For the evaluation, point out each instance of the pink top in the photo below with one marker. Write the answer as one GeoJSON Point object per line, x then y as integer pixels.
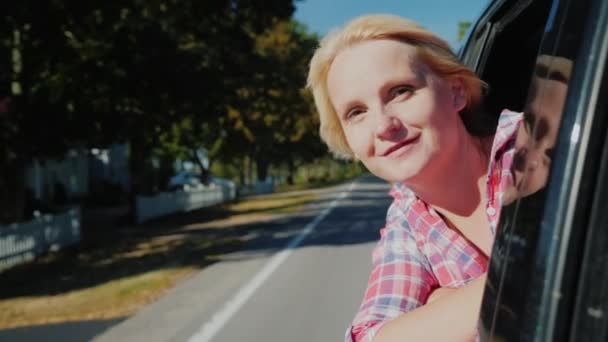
{"type": "Point", "coordinates": [418, 252]}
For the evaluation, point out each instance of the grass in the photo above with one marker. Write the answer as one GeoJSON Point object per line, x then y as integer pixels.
{"type": "Point", "coordinates": [116, 298]}
{"type": "Point", "coordinates": [119, 270]}
{"type": "Point", "coordinates": [271, 204]}
{"type": "Point", "coordinates": [310, 185]}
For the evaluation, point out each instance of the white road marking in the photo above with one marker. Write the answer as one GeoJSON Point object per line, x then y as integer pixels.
{"type": "Point", "coordinates": [220, 318]}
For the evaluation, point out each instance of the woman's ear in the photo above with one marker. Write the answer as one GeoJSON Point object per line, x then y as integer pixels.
{"type": "Point", "coordinates": [458, 92]}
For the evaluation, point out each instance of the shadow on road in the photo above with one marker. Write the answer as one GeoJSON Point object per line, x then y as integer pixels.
{"type": "Point", "coordinates": [79, 331]}
{"type": "Point", "coordinates": [114, 252]}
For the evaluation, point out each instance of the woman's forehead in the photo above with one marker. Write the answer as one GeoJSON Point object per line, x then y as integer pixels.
{"type": "Point", "coordinates": [384, 50]}
{"type": "Point", "coordinates": [374, 58]}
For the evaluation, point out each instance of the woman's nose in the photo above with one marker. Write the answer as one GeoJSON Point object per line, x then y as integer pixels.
{"type": "Point", "coordinates": [389, 127]}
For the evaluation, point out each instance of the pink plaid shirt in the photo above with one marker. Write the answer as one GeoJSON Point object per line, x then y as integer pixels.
{"type": "Point", "coordinates": [418, 252]}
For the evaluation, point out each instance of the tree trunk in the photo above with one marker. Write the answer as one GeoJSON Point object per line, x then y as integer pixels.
{"type": "Point", "coordinates": [12, 172]}
{"type": "Point", "coordinates": [250, 169]}
{"type": "Point", "coordinates": [242, 170]}
{"type": "Point", "coordinates": [165, 172]}
{"type": "Point", "coordinates": [262, 169]}
{"type": "Point", "coordinates": [205, 174]}
{"type": "Point", "coordinates": [12, 197]}
{"type": "Point", "coordinates": [137, 165]}
{"type": "Point", "coordinates": [290, 171]}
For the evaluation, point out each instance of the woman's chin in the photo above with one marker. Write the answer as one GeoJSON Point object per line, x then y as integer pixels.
{"type": "Point", "coordinates": [402, 170]}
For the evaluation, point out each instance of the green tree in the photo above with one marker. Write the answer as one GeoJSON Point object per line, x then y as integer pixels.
{"type": "Point", "coordinates": [463, 26]}
{"type": "Point", "coordinates": [274, 115]}
{"type": "Point", "coordinates": [158, 74]}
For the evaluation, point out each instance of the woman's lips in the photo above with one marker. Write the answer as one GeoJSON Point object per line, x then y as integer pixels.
{"type": "Point", "coordinates": [398, 148]}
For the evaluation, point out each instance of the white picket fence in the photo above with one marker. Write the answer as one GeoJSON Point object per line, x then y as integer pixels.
{"type": "Point", "coordinates": [21, 242]}
{"type": "Point", "coordinates": [165, 203]}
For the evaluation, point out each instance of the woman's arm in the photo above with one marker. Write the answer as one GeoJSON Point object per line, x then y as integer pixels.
{"type": "Point", "coordinates": [450, 317]}
{"type": "Point", "coordinates": [401, 280]}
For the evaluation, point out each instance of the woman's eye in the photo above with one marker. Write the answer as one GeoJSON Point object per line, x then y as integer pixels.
{"type": "Point", "coordinates": [401, 90]}
{"type": "Point", "coordinates": [353, 113]}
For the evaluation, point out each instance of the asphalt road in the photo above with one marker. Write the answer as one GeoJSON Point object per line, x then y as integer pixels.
{"type": "Point", "coordinates": [300, 279]}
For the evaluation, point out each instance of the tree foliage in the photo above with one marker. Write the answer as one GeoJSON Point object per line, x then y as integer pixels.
{"type": "Point", "coordinates": [463, 26]}
{"type": "Point", "coordinates": [166, 76]}
{"type": "Point", "coordinates": [274, 114]}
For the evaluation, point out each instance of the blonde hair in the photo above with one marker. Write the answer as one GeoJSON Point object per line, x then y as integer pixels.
{"type": "Point", "coordinates": [434, 52]}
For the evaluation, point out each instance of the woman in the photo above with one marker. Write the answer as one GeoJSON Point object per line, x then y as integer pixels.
{"type": "Point", "coordinates": [393, 96]}
{"type": "Point", "coordinates": [536, 137]}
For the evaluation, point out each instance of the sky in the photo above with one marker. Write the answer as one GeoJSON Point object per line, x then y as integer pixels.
{"type": "Point", "coordinates": [439, 16]}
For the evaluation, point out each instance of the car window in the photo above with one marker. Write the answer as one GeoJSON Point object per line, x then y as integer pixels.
{"type": "Point", "coordinates": [590, 322]}
{"type": "Point", "coordinates": [508, 89]}
{"type": "Point", "coordinates": [590, 319]}
{"type": "Point", "coordinates": [507, 63]}
{"type": "Point", "coordinates": [502, 50]}
{"type": "Point", "coordinates": [471, 54]}
{"type": "Point", "coordinates": [522, 301]}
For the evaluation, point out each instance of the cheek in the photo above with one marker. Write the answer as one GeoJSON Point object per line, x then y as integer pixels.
{"type": "Point", "coordinates": [357, 138]}
{"type": "Point", "coordinates": [439, 119]}
{"type": "Point", "coordinates": [537, 172]}
{"type": "Point", "coordinates": [441, 134]}
{"type": "Point", "coordinates": [537, 179]}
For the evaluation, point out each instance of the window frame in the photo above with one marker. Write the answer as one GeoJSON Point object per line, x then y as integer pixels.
{"type": "Point", "coordinates": [568, 200]}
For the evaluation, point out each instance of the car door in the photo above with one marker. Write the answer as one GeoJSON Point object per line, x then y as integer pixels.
{"type": "Point", "coordinates": [541, 279]}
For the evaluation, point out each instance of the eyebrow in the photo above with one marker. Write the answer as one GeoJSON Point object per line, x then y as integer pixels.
{"type": "Point", "coordinates": [414, 80]}
{"type": "Point", "coordinates": [551, 74]}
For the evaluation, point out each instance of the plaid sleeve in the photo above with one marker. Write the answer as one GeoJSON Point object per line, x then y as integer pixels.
{"type": "Point", "coordinates": [400, 280]}
{"type": "Point", "coordinates": [506, 133]}
{"type": "Point", "coordinates": [501, 176]}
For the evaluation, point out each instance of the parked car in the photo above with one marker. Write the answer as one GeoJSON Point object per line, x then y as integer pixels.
{"type": "Point", "coordinates": [185, 180]}
{"type": "Point", "coordinates": [222, 182]}
{"type": "Point", "coordinates": [548, 271]}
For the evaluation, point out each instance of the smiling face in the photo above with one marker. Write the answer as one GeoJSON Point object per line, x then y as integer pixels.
{"type": "Point", "coordinates": [535, 141]}
{"type": "Point", "coordinates": [399, 118]}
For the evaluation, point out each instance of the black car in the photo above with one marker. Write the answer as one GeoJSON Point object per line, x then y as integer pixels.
{"type": "Point", "coordinates": [548, 274]}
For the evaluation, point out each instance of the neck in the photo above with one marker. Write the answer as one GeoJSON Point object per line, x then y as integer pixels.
{"type": "Point", "coordinates": [457, 187]}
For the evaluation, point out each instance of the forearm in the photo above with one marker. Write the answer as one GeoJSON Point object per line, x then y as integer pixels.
{"type": "Point", "coordinates": [452, 317]}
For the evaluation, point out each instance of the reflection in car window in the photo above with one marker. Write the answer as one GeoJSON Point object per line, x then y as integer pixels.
{"type": "Point", "coordinates": [512, 301]}
{"type": "Point", "coordinates": [531, 165]}
{"type": "Point", "coordinates": [537, 136]}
